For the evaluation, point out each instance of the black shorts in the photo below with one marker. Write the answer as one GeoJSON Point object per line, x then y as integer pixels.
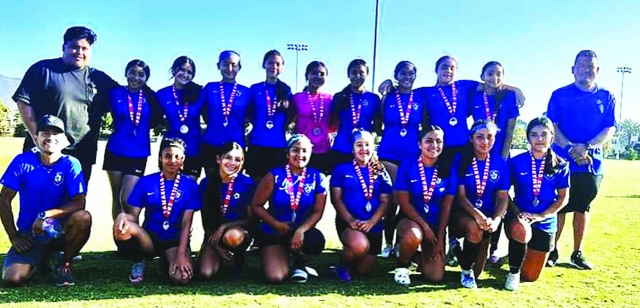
{"type": "Point", "coordinates": [313, 243]}
{"type": "Point", "coordinates": [126, 165]}
{"type": "Point", "coordinates": [322, 162]}
{"type": "Point", "coordinates": [541, 240]}
{"type": "Point", "coordinates": [260, 160]}
{"type": "Point", "coordinates": [584, 188]}
{"type": "Point", "coordinates": [374, 238]}
{"type": "Point", "coordinates": [192, 166]}
{"type": "Point", "coordinates": [160, 246]}
{"type": "Point", "coordinates": [209, 155]}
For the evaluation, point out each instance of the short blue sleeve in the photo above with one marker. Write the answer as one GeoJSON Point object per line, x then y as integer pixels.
{"type": "Point", "coordinates": [337, 178]}
{"type": "Point", "coordinates": [553, 110]}
{"type": "Point", "coordinates": [13, 176]}
{"type": "Point", "coordinates": [610, 112]}
{"type": "Point", "coordinates": [505, 178]}
{"type": "Point", "coordinates": [137, 196]}
{"type": "Point", "coordinates": [512, 107]}
{"type": "Point", "coordinates": [386, 186]}
{"type": "Point", "coordinates": [203, 185]}
{"type": "Point", "coordinates": [76, 184]}
{"type": "Point", "coordinates": [563, 180]}
{"type": "Point", "coordinates": [195, 199]}
{"type": "Point", "coordinates": [321, 184]}
{"type": "Point", "coordinates": [403, 178]}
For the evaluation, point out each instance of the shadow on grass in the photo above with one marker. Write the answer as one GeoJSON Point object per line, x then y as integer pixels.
{"type": "Point", "coordinates": [102, 275]}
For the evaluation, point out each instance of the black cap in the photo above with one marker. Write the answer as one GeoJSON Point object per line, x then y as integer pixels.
{"type": "Point", "coordinates": [49, 121]}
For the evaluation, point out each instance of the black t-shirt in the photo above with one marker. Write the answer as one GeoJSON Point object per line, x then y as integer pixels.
{"type": "Point", "coordinates": [77, 96]}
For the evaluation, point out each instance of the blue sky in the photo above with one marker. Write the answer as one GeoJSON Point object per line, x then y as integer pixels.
{"type": "Point", "coordinates": [535, 40]}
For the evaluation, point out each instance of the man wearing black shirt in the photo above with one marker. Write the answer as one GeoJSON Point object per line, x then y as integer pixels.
{"type": "Point", "coordinates": [71, 90]}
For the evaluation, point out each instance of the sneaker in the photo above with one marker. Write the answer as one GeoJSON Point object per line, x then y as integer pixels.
{"type": "Point", "coordinates": [494, 258]}
{"type": "Point", "coordinates": [401, 276]}
{"type": "Point", "coordinates": [513, 282]}
{"type": "Point", "coordinates": [342, 273]}
{"type": "Point", "coordinates": [468, 280]}
{"type": "Point", "coordinates": [579, 261]}
{"type": "Point", "coordinates": [386, 251]}
{"type": "Point", "coordinates": [553, 258]}
{"type": "Point", "coordinates": [299, 276]}
{"type": "Point", "coordinates": [137, 272]}
{"type": "Point", "coordinates": [452, 259]}
{"type": "Point", "coordinates": [62, 276]}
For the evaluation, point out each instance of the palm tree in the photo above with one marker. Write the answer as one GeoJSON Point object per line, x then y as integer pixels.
{"type": "Point", "coordinates": [628, 129]}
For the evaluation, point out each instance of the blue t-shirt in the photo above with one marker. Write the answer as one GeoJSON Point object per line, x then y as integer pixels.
{"type": "Point", "coordinates": [454, 135]}
{"type": "Point", "coordinates": [128, 140]}
{"type": "Point", "coordinates": [344, 176]}
{"type": "Point", "coordinates": [42, 187]}
{"type": "Point", "coordinates": [508, 110]}
{"type": "Point", "coordinates": [280, 202]}
{"type": "Point", "coordinates": [216, 133]}
{"type": "Point", "coordinates": [240, 197]}
{"type": "Point", "coordinates": [146, 194]}
{"type": "Point", "coordinates": [498, 179]}
{"type": "Point", "coordinates": [522, 180]}
{"type": "Point", "coordinates": [267, 131]}
{"type": "Point", "coordinates": [370, 103]}
{"type": "Point", "coordinates": [172, 113]}
{"type": "Point", "coordinates": [393, 145]}
{"type": "Point", "coordinates": [581, 116]}
{"type": "Point", "coordinates": [409, 180]}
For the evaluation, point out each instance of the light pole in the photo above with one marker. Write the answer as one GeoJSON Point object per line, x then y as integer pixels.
{"type": "Point", "coordinates": [298, 48]}
{"type": "Point", "coordinates": [623, 70]}
{"type": "Point", "coordinates": [375, 48]}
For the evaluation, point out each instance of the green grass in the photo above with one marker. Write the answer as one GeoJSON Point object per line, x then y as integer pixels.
{"type": "Point", "coordinates": [612, 244]}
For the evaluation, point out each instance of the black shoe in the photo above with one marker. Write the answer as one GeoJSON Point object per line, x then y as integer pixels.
{"type": "Point", "coordinates": [553, 258]}
{"type": "Point", "coordinates": [579, 261]}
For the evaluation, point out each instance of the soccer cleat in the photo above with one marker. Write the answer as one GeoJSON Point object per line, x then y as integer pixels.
{"type": "Point", "coordinates": [62, 276]}
{"type": "Point", "coordinates": [513, 282]}
{"type": "Point", "coordinates": [553, 258]}
{"type": "Point", "coordinates": [299, 276]}
{"type": "Point", "coordinates": [137, 272]}
{"type": "Point", "coordinates": [468, 280]}
{"type": "Point", "coordinates": [579, 261]}
{"type": "Point", "coordinates": [386, 251]}
{"type": "Point", "coordinates": [452, 256]}
{"type": "Point", "coordinates": [342, 273]}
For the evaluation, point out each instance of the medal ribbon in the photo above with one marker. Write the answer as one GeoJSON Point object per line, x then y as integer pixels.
{"type": "Point", "coordinates": [427, 192]}
{"type": "Point", "coordinates": [226, 107]}
{"type": "Point", "coordinates": [185, 108]}
{"type": "Point", "coordinates": [316, 116]}
{"type": "Point", "coordinates": [227, 195]}
{"type": "Point", "coordinates": [295, 198]}
{"type": "Point", "coordinates": [355, 114]}
{"type": "Point", "coordinates": [271, 106]}
{"type": "Point", "coordinates": [451, 107]}
{"type": "Point", "coordinates": [487, 110]}
{"type": "Point", "coordinates": [135, 118]}
{"type": "Point", "coordinates": [368, 191]}
{"type": "Point", "coordinates": [481, 185]}
{"type": "Point", "coordinates": [536, 176]}
{"type": "Point", "coordinates": [404, 116]}
{"type": "Point", "coordinates": [167, 207]}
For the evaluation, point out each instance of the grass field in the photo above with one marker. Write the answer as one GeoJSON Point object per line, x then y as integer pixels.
{"type": "Point", "coordinates": [613, 244]}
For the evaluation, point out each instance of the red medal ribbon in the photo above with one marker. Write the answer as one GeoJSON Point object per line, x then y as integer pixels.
{"type": "Point", "coordinates": [226, 106]}
{"type": "Point", "coordinates": [135, 117]}
{"type": "Point", "coordinates": [185, 107]}
{"type": "Point", "coordinates": [368, 191]}
{"type": "Point", "coordinates": [355, 114]}
{"type": "Point", "coordinates": [450, 106]}
{"type": "Point", "coordinates": [487, 110]}
{"type": "Point", "coordinates": [316, 116]}
{"type": "Point", "coordinates": [536, 176]}
{"type": "Point", "coordinates": [295, 198]}
{"type": "Point", "coordinates": [427, 192]}
{"type": "Point", "coordinates": [271, 106]}
{"type": "Point", "coordinates": [404, 116]}
{"type": "Point", "coordinates": [167, 207]}
{"type": "Point", "coordinates": [227, 196]}
{"type": "Point", "coordinates": [481, 185]}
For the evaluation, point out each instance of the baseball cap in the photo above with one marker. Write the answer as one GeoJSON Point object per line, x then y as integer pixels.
{"type": "Point", "coordinates": [48, 122]}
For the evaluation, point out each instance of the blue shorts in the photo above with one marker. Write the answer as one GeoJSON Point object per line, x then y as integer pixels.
{"type": "Point", "coordinates": [41, 246]}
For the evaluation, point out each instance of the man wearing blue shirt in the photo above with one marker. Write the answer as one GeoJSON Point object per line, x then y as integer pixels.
{"type": "Point", "coordinates": [52, 202]}
{"type": "Point", "coordinates": [583, 114]}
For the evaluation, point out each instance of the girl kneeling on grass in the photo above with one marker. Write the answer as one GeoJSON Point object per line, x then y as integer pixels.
{"type": "Point", "coordinates": [360, 192]}
{"type": "Point", "coordinates": [296, 195]}
{"type": "Point", "coordinates": [169, 199]}
{"type": "Point", "coordinates": [541, 181]}
{"type": "Point", "coordinates": [225, 214]}
{"type": "Point", "coordinates": [425, 191]}
{"type": "Point", "coordinates": [481, 200]}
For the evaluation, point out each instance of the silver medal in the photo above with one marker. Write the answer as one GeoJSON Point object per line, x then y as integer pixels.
{"type": "Point", "coordinates": [165, 225]}
{"type": "Point", "coordinates": [293, 217]}
{"type": "Point", "coordinates": [426, 208]}
{"type": "Point", "coordinates": [269, 124]}
{"type": "Point", "coordinates": [184, 129]}
{"type": "Point", "coordinates": [536, 201]}
{"type": "Point", "coordinates": [317, 131]}
{"type": "Point", "coordinates": [453, 121]}
{"type": "Point", "coordinates": [225, 123]}
{"type": "Point", "coordinates": [403, 132]}
{"type": "Point", "coordinates": [479, 203]}
{"type": "Point", "coordinates": [368, 207]}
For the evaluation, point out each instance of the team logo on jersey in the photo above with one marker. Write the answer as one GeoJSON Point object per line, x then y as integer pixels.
{"type": "Point", "coordinates": [58, 179]}
{"type": "Point", "coordinates": [236, 196]}
{"type": "Point", "coordinates": [549, 176]}
{"type": "Point", "coordinates": [600, 106]}
{"type": "Point", "coordinates": [415, 107]}
{"type": "Point", "coordinates": [308, 188]}
{"type": "Point", "coordinates": [178, 195]}
{"type": "Point", "coordinates": [438, 182]}
{"type": "Point", "coordinates": [494, 175]}
{"type": "Point", "coordinates": [365, 103]}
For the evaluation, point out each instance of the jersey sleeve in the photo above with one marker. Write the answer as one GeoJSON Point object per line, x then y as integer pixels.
{"type": "Point", "coordinates": [337, 178]}
{"type": "Point", "coordinates": [137, 196]}
{"type": "Point", "coordinates": [322, 184]}
{"type": "Point", "coordinates": [32, 84]}
{"type": "Point", "coordinates": [195, 197]}
{"type": "Point", "coordinates": [75, 179]}
{"type": "Point", "coordinates": [403, 179]}
{"type": "Point", "coordinates": [553, 110]}
{"type": "Point", "coordinates": [386, 186]}
{"type": "Point", "coordinates": [610, 112]}
{"type": "Point", "coordinates": [504, 183]}
{"type": "Point", "coordinates": [512, 106]}
{"type": "Point", "coordinates": [12, 177]}
{"type": "Point", "coordinates": [563, 177]}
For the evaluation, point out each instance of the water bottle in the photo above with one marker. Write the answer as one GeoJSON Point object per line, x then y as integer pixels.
{"type": "Point", "coordinates": [52, 227]}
